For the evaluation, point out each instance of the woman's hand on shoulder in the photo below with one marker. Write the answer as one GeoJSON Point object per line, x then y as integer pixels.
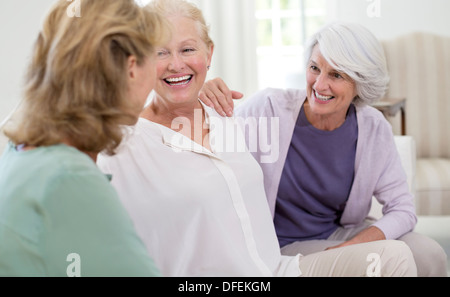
{"type": "Point", "coordinates": [216, 94]}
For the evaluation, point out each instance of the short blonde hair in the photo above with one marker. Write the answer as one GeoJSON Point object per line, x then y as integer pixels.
{"type": "Point", "coordinates": [183, 8]}
{"type": "Point", "coordinates": [354, 50]}
{"type": "Point", "coordinates": [77, 82]}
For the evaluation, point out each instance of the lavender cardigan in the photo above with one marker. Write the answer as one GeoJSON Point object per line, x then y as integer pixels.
{"type": "Point", "coordinates": [378, 169]}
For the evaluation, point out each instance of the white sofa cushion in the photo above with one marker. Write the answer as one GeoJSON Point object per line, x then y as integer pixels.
{"type": "Point", "coordinates": [433, 186]}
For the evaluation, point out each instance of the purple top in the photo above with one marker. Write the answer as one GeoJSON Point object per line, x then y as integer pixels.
{"type": "Point", "coordinates": [316, 180]}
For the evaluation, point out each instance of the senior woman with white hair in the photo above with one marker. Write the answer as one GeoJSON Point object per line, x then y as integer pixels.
{"type": "Point", "coordinates": [335, 151]}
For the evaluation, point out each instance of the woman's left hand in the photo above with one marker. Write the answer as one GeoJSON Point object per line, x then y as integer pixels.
{"type": "Point", "coordinates": [367, 235]}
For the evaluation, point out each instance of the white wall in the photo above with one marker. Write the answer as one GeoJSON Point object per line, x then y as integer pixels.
{"type": "Point", "coordinates": [232, 28]}
{"type": "Point", "coordinates": [388, 19]}
{"type": "Point", "coordinates": [20, 21]}
{"type": "Point", "coordinates": [19, 25]}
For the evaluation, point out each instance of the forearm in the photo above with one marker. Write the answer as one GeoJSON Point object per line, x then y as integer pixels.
{"type": "Point", "coordinates": [367, 235]}
{"type": "Point", "coordinates": [370, 234]}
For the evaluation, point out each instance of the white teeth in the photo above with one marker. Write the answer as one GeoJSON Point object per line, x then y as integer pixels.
{"type": "Point", "coordinates": [322, 98]}
{"type": "Point", "coordinates": [177, 79]}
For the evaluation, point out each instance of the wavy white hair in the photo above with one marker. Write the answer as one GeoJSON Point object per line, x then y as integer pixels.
{"type": "Point", "coordinates": [355, 51]}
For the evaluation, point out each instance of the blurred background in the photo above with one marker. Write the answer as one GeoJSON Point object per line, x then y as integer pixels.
{"type": "Point", "coordinates": [259, 43]}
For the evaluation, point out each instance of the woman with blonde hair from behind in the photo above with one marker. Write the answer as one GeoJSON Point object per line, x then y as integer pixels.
{"type": "Point", "coordinates": [89, 76]}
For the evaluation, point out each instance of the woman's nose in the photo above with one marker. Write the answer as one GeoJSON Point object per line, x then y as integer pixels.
{"type": "Point", "coordinates": [176, 63]}
{"type": "Point", "coordinates": [321, 83]}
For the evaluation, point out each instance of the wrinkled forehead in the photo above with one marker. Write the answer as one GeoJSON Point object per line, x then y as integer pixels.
{"type": "Point", "coordinates": [189, 25]}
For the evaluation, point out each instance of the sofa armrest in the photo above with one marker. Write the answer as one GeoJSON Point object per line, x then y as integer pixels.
{"type": "Point", "coordinates": [406, 147]}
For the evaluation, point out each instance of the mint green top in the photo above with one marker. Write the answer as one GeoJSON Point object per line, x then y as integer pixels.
{"type": "Point", "coordinates": [59, 216]}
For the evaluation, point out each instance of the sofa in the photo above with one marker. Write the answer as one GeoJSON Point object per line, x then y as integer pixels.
{"type": "Point", "coordinates": [419, 67]}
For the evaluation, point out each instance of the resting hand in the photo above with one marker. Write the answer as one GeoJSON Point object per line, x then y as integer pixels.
{"type": "Point", "coordinates": [216, 94]}
{"type": "Point", "coordinates": [346, 243]}
{"type": "Point", "coordinates": [370, 234]}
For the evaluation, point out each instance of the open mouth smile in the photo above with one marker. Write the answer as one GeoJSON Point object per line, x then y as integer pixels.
{"type": "Point", "coordinates": [178, 81]}
{"type": "Point", "coordinates": [322, 98]}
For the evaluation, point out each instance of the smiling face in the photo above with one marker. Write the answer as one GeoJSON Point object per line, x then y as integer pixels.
{"type": "Point", "coordinates": [330, 92]}
{"type": "Point", "coordinates": [182, 64]}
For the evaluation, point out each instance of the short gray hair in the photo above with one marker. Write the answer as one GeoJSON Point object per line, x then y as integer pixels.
{"type": "Point", "coordinates": [355, 51]}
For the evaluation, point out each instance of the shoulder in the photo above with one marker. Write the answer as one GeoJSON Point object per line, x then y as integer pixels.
{"type": "Point", "coordinates": [75, 176]}
{"type": "Point", "coordinates": [368, 111]}
{"type": "Point", "coordinates": [141, 144]}
{"type": "Point", "coordinates": [144, 132]}
{"type": "Point", "coordinates": [45, 165]}
{"type": "Point", "coordinates": [372, 120]}
{"type": "Point", "coordinates": [282, 95]}
{"type": "Point", "coordinates": [143, 135]}
{"type": "Point", "coordinates": [69, 163]}
{"type": "Point", "coordinates": [57, 173]}
{"type": "Point", "coordinates": [46, 182]}
{"type": "Point", "coordinates": [375, 131]}
{"type": "Point", "coordinates": [271, 101]}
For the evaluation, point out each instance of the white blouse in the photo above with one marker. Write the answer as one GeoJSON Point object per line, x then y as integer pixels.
{"type": "Point", "coordinates": [199, 212]}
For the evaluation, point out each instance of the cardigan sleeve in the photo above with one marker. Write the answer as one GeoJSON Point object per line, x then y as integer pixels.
{"type": "Point", "coordinates": [379, 173]}
{"type": "Point", "coordinates": [392, 191]}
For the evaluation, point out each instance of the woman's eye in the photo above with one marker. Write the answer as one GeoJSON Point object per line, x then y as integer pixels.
{"type": "Point", "coordinates": [162, 53]}
{"type": "Point", "coordinates": [188, 50]}
{"type": "Point", "coordinates": [314, 68]}
{"type": "Point", "coordinates": [337, 75]}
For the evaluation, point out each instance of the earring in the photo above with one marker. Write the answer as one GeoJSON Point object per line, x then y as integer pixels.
{"type": "Point", "coordinates": [209, 67]}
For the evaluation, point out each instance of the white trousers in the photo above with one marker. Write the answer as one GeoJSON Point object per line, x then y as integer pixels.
{"type": "Point", "coordinates": [384, 258]}
{"type": "Point", "coordinates": [429, 257]}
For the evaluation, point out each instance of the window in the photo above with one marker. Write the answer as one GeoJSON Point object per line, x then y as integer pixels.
{"type": "Point", "coordinates": [283, 27]}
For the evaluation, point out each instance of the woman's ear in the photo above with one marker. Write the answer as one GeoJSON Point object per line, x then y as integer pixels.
{"type": "Point", "coordinates": [132, 65]}
{"type": "Point", "coordinates": [211, 51]}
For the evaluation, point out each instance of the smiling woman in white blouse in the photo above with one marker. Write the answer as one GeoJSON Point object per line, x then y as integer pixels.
{"type": "Point", "coordinates": [195, 194]}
